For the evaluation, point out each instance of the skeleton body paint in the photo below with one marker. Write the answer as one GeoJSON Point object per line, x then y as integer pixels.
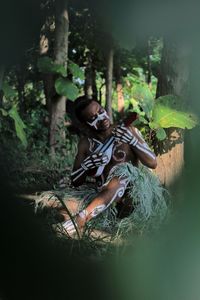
{"type": "Point", "coordinates": [118, 154]}
{"type": "Point", "coordinates": [91, 162]}
{"type": "Point", "coordinates": [124, 135]}
{"type": "Point", "coordinates": [97, 210]}
{"type": "Point", "coordinates": [119, 193]}
{"type": "Point", "coordinates": [69, 227]}
{"type": "Point", "coordinates": [109, 149]}
{"type": "Point", "coordinates": [100, 157]}
{"type": "Point", "coordinates": [103, 158]}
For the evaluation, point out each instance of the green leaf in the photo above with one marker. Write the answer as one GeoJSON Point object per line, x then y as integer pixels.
{"type": "Point", "coordinates": [4, 112]}
{"type": "Point", "coordinates": [153, 125]}
{"type": "Point", "coordinates": [160, 134]}
{"type": "Point", "coordinates": [171, 101]}
{"type": "Point", "coordinates": [59, 69]}
{"type": "Point", "coordinates": [46, 65]}
{"type": "Point", "coordinates": [144, 98]}
{"type": "Point", "coordinates": [143, 120]}
{"type": "Point", "coordinates": [8, 91]}
{"type": "Point", "coordinates": [76, 71]}
{"type": "Point", "coordinates": [66, 88]}
{"type": "Point", "coordinates": [19, 125]}
{"type": "Point", "coordinates": [166, 114]}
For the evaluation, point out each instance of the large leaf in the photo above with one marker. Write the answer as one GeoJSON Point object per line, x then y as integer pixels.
{"type": "Point", "coordinates": [142, 94]}
{"type": "Point", "coordinates": [64, 87]}
{"type": "Point", "coordinates": [76, 71]}
{"type": "Point", "coordinates": [46, 65]}
{"type": "Point", "coordinates": [19, 125]}
{"type": "Point", "coordinates": [166, 114]}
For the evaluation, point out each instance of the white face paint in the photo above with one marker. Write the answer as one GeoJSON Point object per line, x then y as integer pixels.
{"type": "Point", "coordinates": [100, 117]}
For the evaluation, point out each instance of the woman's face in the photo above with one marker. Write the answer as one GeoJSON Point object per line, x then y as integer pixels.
{"type": "Point", "coordinates": [96, 116]}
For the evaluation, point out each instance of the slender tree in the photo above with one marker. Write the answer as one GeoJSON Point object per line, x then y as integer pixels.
{"type": "Point", "coordinates": [1, 82]}
{"type": "Point", "coordinates": [119, 86]}
{"type": "Point", "coordinates": [47, 78]}
{"type": "Point", "coordinates": [149, 71]}
{"type": "Point", "coordinates": [20, 74]}
{"type": "Point", "coordinates": [90, 87]}
{"type": "Point", "coordinates": [88, 78]}
{"type": "Point", "coordinates": [58, 103]}
{"type": "Point", "coordinates": [109, 80]}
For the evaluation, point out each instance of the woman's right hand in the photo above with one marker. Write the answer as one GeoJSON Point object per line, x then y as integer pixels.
{"type": "Point", "coordinates": [94, 160]}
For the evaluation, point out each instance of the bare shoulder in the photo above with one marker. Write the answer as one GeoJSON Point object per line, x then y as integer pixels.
{"type": "Point", "coordinates": [137, 133]}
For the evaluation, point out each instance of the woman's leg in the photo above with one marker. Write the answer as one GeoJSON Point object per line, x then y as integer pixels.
{"type": "Point", "coordinates": [112, 191]}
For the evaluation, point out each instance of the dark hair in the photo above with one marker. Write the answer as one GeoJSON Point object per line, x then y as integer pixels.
{"type": "Point", "coordinates": [80, 104]}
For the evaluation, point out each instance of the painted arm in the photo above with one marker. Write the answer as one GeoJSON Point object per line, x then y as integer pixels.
{"type": "Point", "coordinates": [84, 163]}
{"type": "Point", "coordinates": [133, 137]}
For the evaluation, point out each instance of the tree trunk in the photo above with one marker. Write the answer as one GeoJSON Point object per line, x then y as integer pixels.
{"type": "Point", "coordinates": [173, 79]}
{"type": "Point", "coordinates": [100, 93]}
{"type": "Point", "coordinates": [120, 98]}
{"type": "Point", "coordinates": [109, 79]}
{"type": "Point", "coordinates": [88, 79]}
{"type": "Point", "coordinates": [149, 71]}
{"type": "Point", "coordinates": [58, 104]}
{"type": "Point", "coordinates": [90, 87]}
{"type": "Point", "coordinates": [120, 95]}
{"type": "Point", "coordinates": [94, 84]}
{"type": "Point", "coordinates": [1, 83]}
{"type": "Point", "coordinates": [20, 88]}
{"type": "Point", "coordinates": [47, 78]}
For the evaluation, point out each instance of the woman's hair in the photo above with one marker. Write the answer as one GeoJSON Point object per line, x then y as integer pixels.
{"type": "Point", "coordinates": [80, 104]}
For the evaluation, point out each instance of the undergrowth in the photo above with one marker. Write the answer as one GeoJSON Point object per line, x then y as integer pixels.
{"type": "Point", "coordinates": [34, 168]}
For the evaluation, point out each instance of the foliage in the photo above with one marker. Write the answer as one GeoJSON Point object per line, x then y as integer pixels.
{"type": "Point", "coordinates": [65, 87]}
{"type": "Point", "coordinates": [19, 125]}
{"type": "Point", "coordinates": [33, 168]}
{"type": "Point", "coordinates": [12, 112]}
{"type": "Point", "coordinates": [158, 114]}
{"type": "Point", "coordinates": [76, 71]}
{"type": "Point", "coordinates": [46, 65]}
{"type": "Point", "coordinates": [8, 91]}
{"type": "Point", "coordinates": [37, 129]}
{"type": "Point", "coordinates": [166, 113]}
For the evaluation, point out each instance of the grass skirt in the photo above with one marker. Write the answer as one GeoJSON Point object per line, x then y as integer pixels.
{"type": "Point", "coordinates": [149, 199]}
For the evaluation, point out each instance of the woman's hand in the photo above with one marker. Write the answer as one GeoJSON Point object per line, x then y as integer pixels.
{"type": "Point", "coordinates": [124, 135]}
{"type": "Point", "coordinates": [93, 161]}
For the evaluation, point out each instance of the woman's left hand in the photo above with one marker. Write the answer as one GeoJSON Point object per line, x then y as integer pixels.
{"type": "Point", "coordinates": [124, 135]}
